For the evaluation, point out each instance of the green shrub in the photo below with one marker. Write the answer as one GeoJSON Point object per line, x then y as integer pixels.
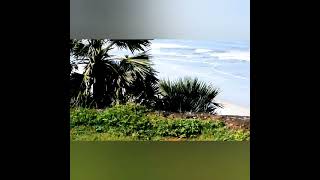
{"type": "Point", "coordinates": [186, 128]}
{"type": "Point", "coordinates": [187, 95]}
{"type": "Point", "coordinates": [83, 116]}
{"type": "Point", "coordinates": [129, 120]}
{"type": "Point", "coordinates": [208, 125]}
{"type": "Point", "coordinates": [136, 123]}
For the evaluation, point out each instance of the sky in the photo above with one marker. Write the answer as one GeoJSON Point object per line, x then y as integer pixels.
{"type": "Point", "coordinates": [212, 19]}
{"type": "Point", "coordinates": [227, 20]}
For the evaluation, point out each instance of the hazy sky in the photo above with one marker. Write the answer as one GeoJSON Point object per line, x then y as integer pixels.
{"type": "Point", "coordinates": [212, 19]}
{"type": "Point", "coordinates": [161, 19]}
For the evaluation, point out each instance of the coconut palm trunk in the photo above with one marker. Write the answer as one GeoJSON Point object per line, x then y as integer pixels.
{"type": "Point", "coordinates": [99, 85]}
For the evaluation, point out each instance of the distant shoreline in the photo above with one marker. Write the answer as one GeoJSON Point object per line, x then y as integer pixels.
{"type": "Point", "coordinates": [232, 109]}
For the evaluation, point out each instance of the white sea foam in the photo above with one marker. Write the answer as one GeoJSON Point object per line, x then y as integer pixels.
{"type": "Point", "coordinates": [232, 55]}
{"type": "Point", "coordinates": [202, 50]}
{"type": "Point", "coordinates": [157, 45]}
{"type": "Point", "coordinates": [156, 48]}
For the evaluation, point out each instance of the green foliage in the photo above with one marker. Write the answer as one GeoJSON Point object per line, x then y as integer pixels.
{"type": "Point", "coordinates": [83, 116]}
{"type": "Point", "coordinates": [129, 120]}
{"type": "Point", "coordinates": [187, 95]}
{"type": "Point", "coordinates": [183, 128]}
{"type": "Point", "coordinates": [109, 80]}
{"type": "Point", "coordinates": [136, 123]}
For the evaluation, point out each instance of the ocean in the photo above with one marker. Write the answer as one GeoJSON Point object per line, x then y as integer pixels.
{"type": "Point", "coordinates": [226, 65]}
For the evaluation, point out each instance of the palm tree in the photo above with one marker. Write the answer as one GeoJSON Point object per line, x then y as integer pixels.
{"type": "Point", "coordinates": [108, 79]}
{"type": "Point", "coordinates": [187, 95]}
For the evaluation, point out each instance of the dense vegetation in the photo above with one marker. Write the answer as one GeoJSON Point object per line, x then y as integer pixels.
{"type": "Point", "coordinates": [109, 80]}
{"type": "Point", "coordinates": [136, 122]}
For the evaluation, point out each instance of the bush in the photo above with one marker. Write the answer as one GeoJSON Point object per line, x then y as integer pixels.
{"type": "Point", "coordinates": [187, 95]}
{"type": "Point", "coordinates": [83, 116]}
{"type": "Point", "coordinates": [132, 121]}
{"type": "Point", "coordinates": [129, 120]}
{"type": "Point", "coordinates": [183, 128]}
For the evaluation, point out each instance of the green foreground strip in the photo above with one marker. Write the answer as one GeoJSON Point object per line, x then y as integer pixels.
{"type": "Point", "coordinates": [133, 122]}
{"type": "Point", "coordinates": [160, 160]}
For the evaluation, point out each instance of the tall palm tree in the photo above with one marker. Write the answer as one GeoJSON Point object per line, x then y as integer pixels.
{"type": "Point", "coordinates": [108, 79]}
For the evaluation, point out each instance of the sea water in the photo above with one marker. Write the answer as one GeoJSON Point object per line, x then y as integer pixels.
{"type": "Point", "coordinates": [226, 65]}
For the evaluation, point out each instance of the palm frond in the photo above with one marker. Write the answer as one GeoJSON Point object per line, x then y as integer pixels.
{"type": "Point", "coordinates": [132, 45]}
{"type": "Point", "coordinates": [188, 94]}
{"type": "Point", "coordinates": [106, 79]}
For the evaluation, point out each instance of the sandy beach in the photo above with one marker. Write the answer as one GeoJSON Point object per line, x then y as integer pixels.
{"type": "Point", "coordinates": [233, 109]}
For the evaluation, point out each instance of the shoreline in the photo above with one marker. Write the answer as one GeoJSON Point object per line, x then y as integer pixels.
{"type": "Point", "coordinates": [232, 109]}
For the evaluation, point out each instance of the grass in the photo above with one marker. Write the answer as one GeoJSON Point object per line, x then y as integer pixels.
{"type": "Point", "coordinates": [132, 122]}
